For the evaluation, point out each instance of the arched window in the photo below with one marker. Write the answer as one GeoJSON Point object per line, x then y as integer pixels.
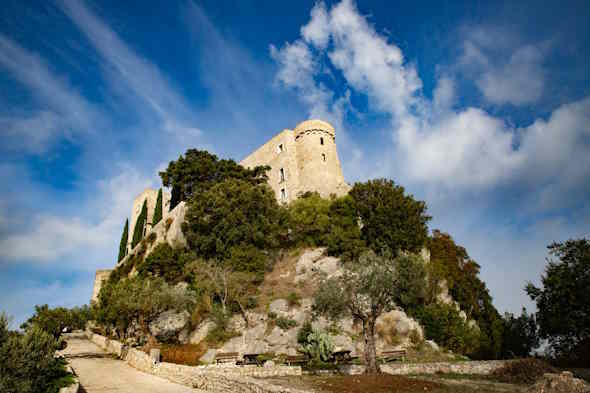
{"type": "Point", "coordinates": [282, 174]}
{"type": "Point", "coordinates": [324, 157]}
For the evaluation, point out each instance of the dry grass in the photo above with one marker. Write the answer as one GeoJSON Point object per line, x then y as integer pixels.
{"type": "Point", "coordinates": [280, 282]}
{"type": "Point", "coordinates": [188, 354]}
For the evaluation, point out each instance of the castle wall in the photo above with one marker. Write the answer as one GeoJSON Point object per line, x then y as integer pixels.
{"type": "Point", "coordinates": [99, 278]}
{"type": "Point", "coordinates": [279, 153]}
{"type": "Point", "coordinates": [308, 157]}
{"type": "Point", "coordinates": [317, 159]}
{"type": "Point", "coordinates": [151, 196]}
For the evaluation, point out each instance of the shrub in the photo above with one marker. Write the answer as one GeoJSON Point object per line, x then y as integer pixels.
{"type": "Point", "coordinates": [304, 332]}
{"type": "Point", "coordinates": [293, 299]}
{"type": "Point", "coordinates": [443, 324]}
{"type": "Point", "coordinates": [318, 346]}
{"type": "Point", "coordinates": [141, 300]}
{"type": "Point", "coordinates": [166, 262]}
{"type": "Point", "coordinates": [285, 323]}
{"type": "Point", "coordinates": [53, 321]}
{"type": "Point", "coordinates": [523, 371]}
{"type": "Point", "coordinates": [221, 332]}
{"type": "Point", "coordinates": [27, 361]}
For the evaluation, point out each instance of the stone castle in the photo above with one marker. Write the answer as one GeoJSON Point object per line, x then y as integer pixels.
{"type": "Point", "coordinates": [301, 160]}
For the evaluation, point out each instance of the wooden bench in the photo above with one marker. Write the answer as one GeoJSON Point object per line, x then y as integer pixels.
{"type": "Point", "coordinates": [295, 359]}
{"type": "Point", "coordinates": [251, 358]}
{"type": "Point", "coordinates": [388, 356]}
{"type": "Point", "coordinates": [341, 356]}
{"type": "Point", "coordinates": [226, 357]}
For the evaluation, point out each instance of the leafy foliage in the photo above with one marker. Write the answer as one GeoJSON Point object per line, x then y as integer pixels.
{"type": "Point", "coordinates": [198, 170]}
{"type": "Point", "coordinates": [166, 262]}
{"type": "Point", "coordinates": [140, 300]}
{"type": "Point", "coordinates": [318, 346]}
{"type": "Point", "coordinates": [139, 225]}
{"type": "Point", "coordinates": [53, 321]}
{"type": "Point", "coordinates": [158, 209]}
{"type": "Point", "coordinates": [27, 361]}
{"type": "Point", "coordinates": [309, 220]}
{"type": "Point", "coordinates": [520, 335]}
{"type": "Point", "coordinates": [391, 220]}
{"type": "Point", "coordinates": [451, 263]}
{"type": "Point", "coordinates": [123, 243]}
{"type": "Point", "coordinates": [369, 287]}
{"type": "Point", "coordinates": [562, 300]}
{"type": "Point", "coordinates": [235, 221]}
{"type": "Point", "coordinates": [344, 239]}
{"type": "Point", "coordinates": [443, 324]}
{"type": "Point", "coordinates": [285, 323]}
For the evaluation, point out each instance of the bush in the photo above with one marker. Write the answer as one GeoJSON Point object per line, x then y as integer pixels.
{"type": "Point", "coordinates": [166, 262]}
{"type": "Point", "coordinates": [285, 323]}
{"type": "Point", "coordinates": [53, 321]}
{"type": "Point", "coordinates": [304, 332]}
{"type": "Point", "coordinates": [221, 332]}
{"type": "Point", "coordinates": [27, 361]}
{"type": "Point", "coordinates": [443, 324]}
{"type": "Point", "coordinates": [318, 346]}
{"type": "Point", "coordinates": [293, 299]}
{"type": "Point", "coordinates": [523, 371]}
{"type": "Point", "coordinates": [139, 300]}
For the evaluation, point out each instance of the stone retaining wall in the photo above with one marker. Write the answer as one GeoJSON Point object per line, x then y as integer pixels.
{"type": "Point", "coordinates": [482, 367]}
{"type": "Point", "coordinates": [213, 378]}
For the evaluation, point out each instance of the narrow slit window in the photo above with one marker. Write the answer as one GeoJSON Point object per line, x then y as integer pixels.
{"type": "Point", "coordinates": [283, 195]}
{"type": "Point", "coordinates": [280, 148]}
{"type": "Point", "coordinates": [282, 174]}
{"type": "Point", "coordinates": [324, 157]}
{"type": "Point", "coordinates": [321, 140]}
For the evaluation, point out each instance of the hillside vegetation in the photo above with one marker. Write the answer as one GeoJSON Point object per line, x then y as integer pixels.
{"type": "Point", "coordinates": [236, 232]}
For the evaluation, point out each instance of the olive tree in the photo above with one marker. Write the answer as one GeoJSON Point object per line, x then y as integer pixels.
{"type": "Point", "coordinates": [370, 286]}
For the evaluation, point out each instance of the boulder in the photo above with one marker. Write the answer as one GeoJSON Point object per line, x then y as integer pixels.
{"type": "Point", "coordinates": [209, 356]}
{"type": "Point", "coordinates": [559, 383]}
{"type": "Point", "coordinates": [342, 343]}
{"type": "Point", "coordinates": [168, 324]}
{"type": "Point", "coordinates": [278, 306]}
{"type": "Point", "coordinates": [201, 331]}
{"type": "Point", "coordinates": [280, 338]}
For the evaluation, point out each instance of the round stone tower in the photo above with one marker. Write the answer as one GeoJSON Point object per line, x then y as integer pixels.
{"type": "Point", "coordinates": [317, 159]}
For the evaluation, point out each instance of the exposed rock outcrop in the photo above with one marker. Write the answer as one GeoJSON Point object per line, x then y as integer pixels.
{"type": "Point", "coordinates": [169, 324]}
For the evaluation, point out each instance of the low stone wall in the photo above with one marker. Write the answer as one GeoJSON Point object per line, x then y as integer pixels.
{"type": "Point", "coordinates": [213, 378]}
{"type": "Point", "coordinates": [482, 367]}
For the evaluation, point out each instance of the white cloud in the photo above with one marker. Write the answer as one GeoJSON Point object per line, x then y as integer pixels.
{"type": "Point", "coordinates": [51, 237]}
{"type": "Point", "coordinates": [65, 111]}
{"type": "Point", "coordinates": [505, 71]}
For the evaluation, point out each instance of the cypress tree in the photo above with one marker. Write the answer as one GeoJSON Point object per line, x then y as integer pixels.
{"type": "Point", "coordinates": [138, 230]}
{"type": "Point", "coordinates": [124, 239]}
{"type": "Point", "coordinates": [158, 210]}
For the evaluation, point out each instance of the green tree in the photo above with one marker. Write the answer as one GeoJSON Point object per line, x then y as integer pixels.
{"type": "Point", "coordinates": [369, 287]}
{"type": "Point", "coordinates": [562, 300]}
{"type": "Point", "coordinates": [158, 209]}
{"type": "Point", "coordinates": [166, 262]}
{"type": "Point", "coordinates": [27, 360]}
{"type": "Point", "coordinates": [309, 220]}
{"type": "Point", "coordinates": [139, 300]}
{"type": "Point", "coordinates": [54, 320]}
{"type": "Point", "coordinates": [450, 263]}
{"type": "Point", "coordinates": [139, 225]}
{"type": "Point", "coordinates": [443, 324]}
{"type": "Point", "coordinates": [344, 238]}
{"type": "Point", "coordinates": [198, 170]}
{"type": "Point", "coordinates": [521, 335]}
{"type": "Point", "coordinates": [390, 219]}
{"type": "Point", "coordinates": [123, 243]}
{"type": "Point", "coordinates": [235, 221]}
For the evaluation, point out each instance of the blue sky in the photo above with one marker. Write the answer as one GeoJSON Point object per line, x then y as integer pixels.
{"type": "Point", "coordinates": [480, 109]}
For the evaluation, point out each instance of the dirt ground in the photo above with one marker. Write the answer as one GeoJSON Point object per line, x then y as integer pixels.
{"type": "Point", "coordinates": [385, 383]}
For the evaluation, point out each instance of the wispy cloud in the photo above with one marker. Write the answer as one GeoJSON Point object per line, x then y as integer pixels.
{"type": "Point", "coordinates": [63, 111]}
{"type": "Point", "coordinates": [141, 77]}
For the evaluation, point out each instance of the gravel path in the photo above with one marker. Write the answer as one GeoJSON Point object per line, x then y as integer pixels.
{"type": "Point", "coordinates": [98, 372]}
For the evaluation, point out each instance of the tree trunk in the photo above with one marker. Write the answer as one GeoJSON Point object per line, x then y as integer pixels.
{"type": "Point", "coordinates": [370, 351]}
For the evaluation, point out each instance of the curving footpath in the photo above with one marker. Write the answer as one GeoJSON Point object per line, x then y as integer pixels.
{"type": "Point", "coordinates": [99, 372]}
